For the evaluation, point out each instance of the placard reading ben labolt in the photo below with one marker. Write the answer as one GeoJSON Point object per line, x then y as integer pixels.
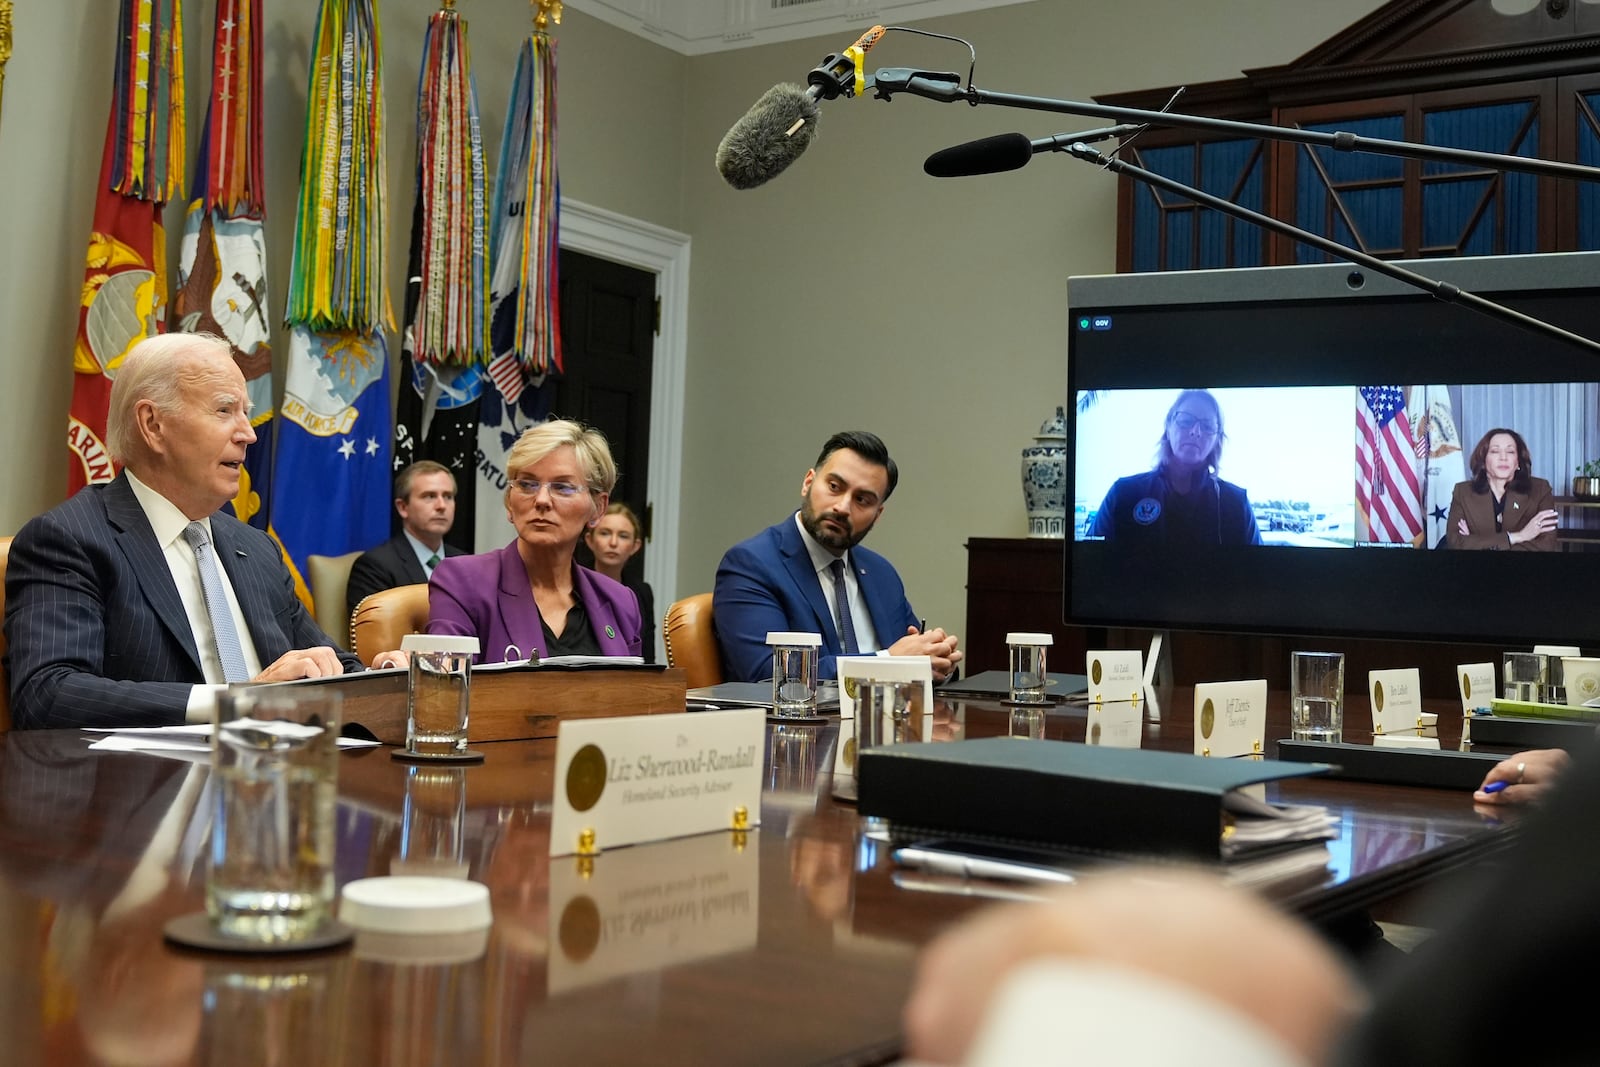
{"type": "Point", "coordinates": [650, 777]}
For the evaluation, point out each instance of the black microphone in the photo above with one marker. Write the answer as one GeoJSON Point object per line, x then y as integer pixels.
{"type": "Point", "coordinates": [781, 124]}
{"type": "Point", "coordinates": [1009, 151]}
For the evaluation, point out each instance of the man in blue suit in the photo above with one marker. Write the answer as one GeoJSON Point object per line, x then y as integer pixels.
{"type": "Point", "coordinates": [809, 573]}
{"type": "Point", "coordinates": [117, 611]}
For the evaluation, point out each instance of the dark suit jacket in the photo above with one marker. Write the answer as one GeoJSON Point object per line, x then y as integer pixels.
{"type": "Point", "coordinates": [487, 596]}
{"type": "Point", "coordinates": [97, 634]}
{"type": "Point", "coordinates": [768, 583]}
{"type": "Point", "coordinates": [391, 564]}
{"type": "Point", "coordinates": [1520, 508]}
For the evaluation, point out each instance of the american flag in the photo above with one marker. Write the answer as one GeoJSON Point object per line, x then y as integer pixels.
{"type": "Point", "coordinates": [1388, 466]}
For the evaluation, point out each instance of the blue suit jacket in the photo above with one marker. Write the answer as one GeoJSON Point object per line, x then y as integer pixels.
{"type": "Point", "coordinates": [96, 632]}
{"type": "Point", "coordinates": [487, 596]}
{"type": "Point", "coordinates": [768, 583]}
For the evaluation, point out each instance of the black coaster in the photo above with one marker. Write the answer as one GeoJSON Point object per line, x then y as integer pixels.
{"type": "Point", "coordinates": [469, 756]}
{"type": "Point", "coordinates": [195, 931]}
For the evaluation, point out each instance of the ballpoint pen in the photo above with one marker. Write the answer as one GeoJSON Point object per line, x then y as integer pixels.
{"type": "Point", "coordinates": [1495, 787]}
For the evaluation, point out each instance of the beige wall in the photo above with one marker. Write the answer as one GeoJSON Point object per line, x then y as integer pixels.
{"type": "Point", "coordinates": [851, 291]}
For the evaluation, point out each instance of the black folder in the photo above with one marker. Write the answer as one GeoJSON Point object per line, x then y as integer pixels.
{"type": "Point", "coordinates": [1059, 794]}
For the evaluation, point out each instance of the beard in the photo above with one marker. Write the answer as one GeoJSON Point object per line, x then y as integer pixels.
{"type": "Point", "coordinates": [825, 536]}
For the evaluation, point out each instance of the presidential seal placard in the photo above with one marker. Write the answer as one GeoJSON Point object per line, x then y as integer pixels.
{"type": "Point", "coordinates": [620, 781]}
{"type": "Point", "coordinates": [1230, 718]}
{"type": "Point", "coordinates": [1114, 675]}
{"type": "Point", "coordinates": [1397, 702]}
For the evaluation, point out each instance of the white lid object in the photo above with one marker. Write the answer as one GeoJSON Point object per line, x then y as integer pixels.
{"type": "Point", "coordinates": [1030, 639]}
{"type": "Point", "coordinates": [405, 904]}
{"type": "Point", "coordinates": [792, 637]}
{"type": "Point", "coordinates": [439, 643]}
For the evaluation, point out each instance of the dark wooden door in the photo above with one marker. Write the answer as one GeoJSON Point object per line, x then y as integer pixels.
{"type": "Point", "coordinates": [608, 319]}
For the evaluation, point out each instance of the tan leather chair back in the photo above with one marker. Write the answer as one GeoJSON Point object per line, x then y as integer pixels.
{"type": "Point", "coordinates": [383, 618]}
{"type": "Point", "coordinates": [691, 640]}
{"type": "Point", "coordinates": [5, 682]}
{"type": "Point", "coordinates": [330, 577]}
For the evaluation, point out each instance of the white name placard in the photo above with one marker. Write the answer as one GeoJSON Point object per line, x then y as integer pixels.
{"type": "Point", "coordinates": [640, 778]}
{"type": "Point", "coordinates": [1116, 725]}
{"type": "Point", "coordinates": [1230, 718]}
{"type": "Point", "coordinates": [1477, 686]}
{"type": "Point", "coordinates": [1397, 701]}
{"type": "Point", "coordinates": [1114, 675]}
{"type": "Point", "coordinates": [652, 907]}
{"type": "Point", "coordinates": [919, 712]}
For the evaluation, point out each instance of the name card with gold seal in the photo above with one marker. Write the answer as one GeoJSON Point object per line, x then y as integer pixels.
{"type": "Point", "coordinates": [1397, 702]}
{"type": "Point", "coordinates": [1477, 686]}
{"type": "Point", "coordinates": [1230, 718]}
{"type": "Point", "coordinates": [623, 780]}
{"type": "Point", "coordinates": [1114, 675]}
{"type": "Point", "coordinates": [648, 908]}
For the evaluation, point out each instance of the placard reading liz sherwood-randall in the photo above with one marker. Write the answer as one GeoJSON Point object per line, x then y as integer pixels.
{"type": "Point", "coordinates": [650, 777]}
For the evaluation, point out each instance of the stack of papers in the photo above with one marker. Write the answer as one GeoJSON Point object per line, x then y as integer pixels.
{"type": "Point", "coordinates": [1250, 824]}
{"type": "Point", "coordinates": [192, 741]}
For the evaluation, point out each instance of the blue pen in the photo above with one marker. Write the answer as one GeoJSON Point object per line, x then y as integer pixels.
{"type": "Point", "coordinates": [1495, 787]}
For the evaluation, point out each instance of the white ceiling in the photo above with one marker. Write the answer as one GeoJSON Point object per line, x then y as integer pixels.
{"type": "Point", "coordinates": [697, 27]}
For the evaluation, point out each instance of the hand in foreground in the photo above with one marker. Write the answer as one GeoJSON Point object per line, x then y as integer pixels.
{"type": "Point", "coordinates": [392, 658]}
{"type": "Point", "coordinates": [1526, 776]}
{"type": "Point", "coordinates": [318, 662]}
{"type": "Point", "coordinates": [934, 643]}
{"type": "Point", "coordinates": [1182, 926]}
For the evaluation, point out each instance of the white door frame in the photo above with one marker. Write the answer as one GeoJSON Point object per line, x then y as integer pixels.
{"type": "Point", "coordinates": [604, 234]}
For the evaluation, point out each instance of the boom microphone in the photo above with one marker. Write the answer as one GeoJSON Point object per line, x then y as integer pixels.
{"type": "Point", "coordinates": [781, 124]}
{"type": "Point", "coordinates": [1008, 151]}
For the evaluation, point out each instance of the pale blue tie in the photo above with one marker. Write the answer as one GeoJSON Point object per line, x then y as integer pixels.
{"type": "Point", "coordinates": [841, 599]}
{"type": "Point", "coordinates": [229, 650]}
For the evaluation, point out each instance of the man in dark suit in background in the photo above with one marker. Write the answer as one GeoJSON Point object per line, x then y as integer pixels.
{"type": "Point", "coordinates": [425, 497]}
{"type": "Point", "coordinates": [785, 578]}
{"type": "Point", "coordinates": [117, 613]}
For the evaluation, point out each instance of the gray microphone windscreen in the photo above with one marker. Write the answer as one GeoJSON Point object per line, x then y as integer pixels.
{"type": "Point", "coordinates": [760, 145]}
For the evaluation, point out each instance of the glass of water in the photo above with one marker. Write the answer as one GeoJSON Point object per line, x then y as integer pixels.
{"type": "Point", "coordinates": [275, 761]}
{"type": "Point", "coordinates": [438, 693]}
{"type": "Point", "coordinates": [794, 673]}
{"type": "Point", "coordinates": [1316, 696]}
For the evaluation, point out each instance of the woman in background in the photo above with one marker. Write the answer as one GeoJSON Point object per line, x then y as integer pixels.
{"type": "Point", "coordinates": [614, 540]}
{"type": "Point", "coordinates": [1503, 505]}
{"type": "Point", "coordinates": [532, 596]}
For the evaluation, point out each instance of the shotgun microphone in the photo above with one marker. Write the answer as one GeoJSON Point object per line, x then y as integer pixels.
{"type": "Point", "coordinates": [1009, 151]}
{"type": "Point", "coordinates": [780, 125]}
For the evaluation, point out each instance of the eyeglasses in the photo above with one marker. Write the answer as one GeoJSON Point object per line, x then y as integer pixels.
{"type": "Point", "coordinates": [1186, 422]}
{"type": "Point", "coordinates": [564, 490]}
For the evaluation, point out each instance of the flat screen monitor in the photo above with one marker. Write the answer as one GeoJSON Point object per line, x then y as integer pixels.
{"type": "Point", "coordinates": [1283, 450]}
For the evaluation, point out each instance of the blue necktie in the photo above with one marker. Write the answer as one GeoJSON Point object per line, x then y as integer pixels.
{"type": "Point", "coordinates": [841, 599]}
{"type": "Point", "coordinates": [229, 650]}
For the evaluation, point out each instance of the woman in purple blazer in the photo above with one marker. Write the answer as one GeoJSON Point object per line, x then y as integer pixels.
{"type": "Point", "coordinates": [530, 596]}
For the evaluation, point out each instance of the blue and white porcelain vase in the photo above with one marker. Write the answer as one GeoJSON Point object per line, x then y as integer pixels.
{"type": "Point", "coordinates": [1044, 478]}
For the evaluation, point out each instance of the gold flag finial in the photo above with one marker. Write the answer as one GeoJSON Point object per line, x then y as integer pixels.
{"type": "Point", "coordinates": [545, 12]}
{"type": "Point", "coordinates": [5, 42]}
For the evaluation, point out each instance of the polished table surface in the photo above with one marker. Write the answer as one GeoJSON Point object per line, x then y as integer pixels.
{"type": "Point", "coordinates": [791, 944]}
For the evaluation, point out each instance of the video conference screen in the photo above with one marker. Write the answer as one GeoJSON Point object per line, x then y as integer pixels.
{"type": "Point", "coordinates": [1291, 450]}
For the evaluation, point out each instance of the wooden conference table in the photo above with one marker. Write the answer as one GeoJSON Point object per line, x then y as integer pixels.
{"type": "Point", "coordinates": [791, 945]}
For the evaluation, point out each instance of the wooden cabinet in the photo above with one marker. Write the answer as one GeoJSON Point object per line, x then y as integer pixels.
{"type": "Point", "coordinates": [1014, 584]}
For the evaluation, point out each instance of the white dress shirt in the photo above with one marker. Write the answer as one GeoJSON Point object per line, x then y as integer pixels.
{"type": "Point", "coordinates": [822, 559]}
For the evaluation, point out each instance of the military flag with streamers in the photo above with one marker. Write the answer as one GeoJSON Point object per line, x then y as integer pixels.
{"type": "Point", "coordinates": [222, 272]}
{"type": "Point", "coordinates": [124, 292]}
{"type": "Point", "coordinates": [1445, 464]}
{"type": "Point", "coordinates": [1389, 467]}
{"type": "Point", "coordinates": [445, 338]}
{"type": "Point", "coordinates": [526, 330]}
{"type": "Point", "coordinates": [330, 486]}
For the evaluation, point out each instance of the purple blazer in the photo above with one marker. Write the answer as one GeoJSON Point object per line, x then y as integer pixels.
{"type": "Point", "coordinates": [487, 596]}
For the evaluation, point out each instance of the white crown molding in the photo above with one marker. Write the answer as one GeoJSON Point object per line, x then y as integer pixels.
{"type": "Point", "coordinates": [699, 27]}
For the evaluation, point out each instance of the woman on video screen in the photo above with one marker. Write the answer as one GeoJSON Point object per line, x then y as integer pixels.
{"type": "Point", "coordinates": [1503, 506]}
{"type": "Point", "coordinates": [1181, 501]}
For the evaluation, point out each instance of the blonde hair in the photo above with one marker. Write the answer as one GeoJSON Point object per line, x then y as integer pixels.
{"type": "Point", "coordinates": [153, 370]}
{"type": "Point", "coordinates": [537, 442]}
{"type": "Point", "coordinates": [619, 508]}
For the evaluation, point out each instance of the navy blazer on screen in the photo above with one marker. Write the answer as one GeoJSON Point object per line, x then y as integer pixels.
{"type": "Point", "coordinates": [768, 583]}
{"type": "Point", "coordinates": [96, 632]}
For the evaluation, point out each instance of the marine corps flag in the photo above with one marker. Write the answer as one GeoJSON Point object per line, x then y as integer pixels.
{"type": "Point", "coordinates": [222, 273]}
{"type": "Point", "coordinates": [124, 292]}
{"type": "Point", "coordinates": [330, 487]}
{"type": "Point", "coordinates": [446, 332]}
{"type": "Point", "coordinates": [526, 330]}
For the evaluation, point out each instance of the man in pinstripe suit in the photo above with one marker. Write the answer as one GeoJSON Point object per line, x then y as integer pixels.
{"type": "Point", "coordinates": [108, 611]}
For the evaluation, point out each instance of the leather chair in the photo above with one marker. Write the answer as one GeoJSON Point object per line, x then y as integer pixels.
{"type": "Point", "coordinates": [330, 577]}
{"type": "Point", "coordinates": [5, 682]}
{"type": "Point", "coordinates": [383, 618]}
{"type": "Point", "coordinates": [691, 640]}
